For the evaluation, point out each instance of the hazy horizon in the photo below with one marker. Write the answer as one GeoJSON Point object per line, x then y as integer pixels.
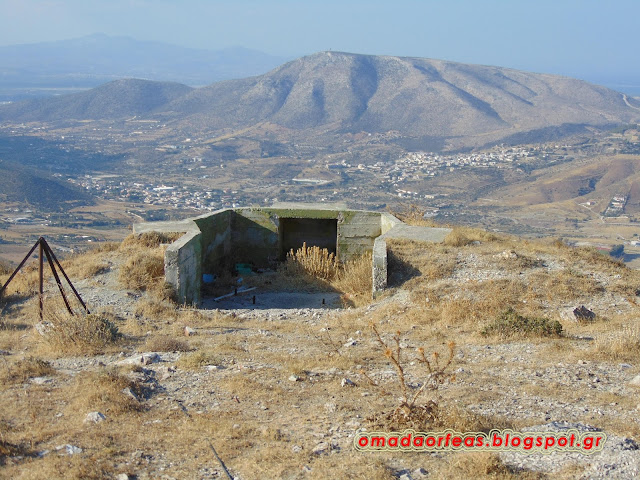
{"type": "Point", "coordinates": [583, 39]}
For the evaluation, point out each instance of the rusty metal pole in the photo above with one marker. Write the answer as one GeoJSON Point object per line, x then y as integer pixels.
{"type": "Point", "coordinates": [41, 290]}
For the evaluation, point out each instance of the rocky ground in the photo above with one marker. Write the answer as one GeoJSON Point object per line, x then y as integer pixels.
{"type": "Point", "coordinates": [279, 388]}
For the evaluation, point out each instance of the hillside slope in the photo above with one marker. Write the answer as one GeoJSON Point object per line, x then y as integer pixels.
{"type": "Point", "coordinates": [280, 387]}
{"type": "Point", "coordinates": [416, 97]}
{"type": "Point", "coordinates": [22, 184]}
{"type": "Point", "coordinates": [340, 92]}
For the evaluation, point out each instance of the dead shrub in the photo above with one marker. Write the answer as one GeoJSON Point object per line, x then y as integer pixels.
{"type": "Point", "coordinates": [81, 333]}
{"type": "Point", "coordinates": [313, 261]}
{"type": "Point", "coordinates": [142, 270]}
{"type": "Point", "coordinates": [413, 215]}
{"type": "Point", "coordinates": [410, 414]}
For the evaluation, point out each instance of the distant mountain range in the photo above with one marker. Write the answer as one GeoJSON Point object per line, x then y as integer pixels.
{"type": "Point", "coordinates": [41, 69]}
{"type": "Point", "coordinates": [467, 105]}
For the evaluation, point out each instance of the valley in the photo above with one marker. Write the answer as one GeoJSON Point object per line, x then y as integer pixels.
{"type": "Point", "coordinates": [529, 154]}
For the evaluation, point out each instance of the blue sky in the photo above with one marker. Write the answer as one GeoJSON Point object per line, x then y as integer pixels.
{"type": "Point", "coordinates": [586, 38]}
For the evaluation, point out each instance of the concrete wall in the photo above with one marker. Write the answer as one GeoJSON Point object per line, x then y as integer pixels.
{"type": "Point", "coordinates": [183, 267]}
{"type": "Point", "coordinates": [254, 236]}
{"type": "Point", "coordinates": [379, 266]}
{"type": "Point", "coordinates": [216, 237]}
{"type": "Point", "coordinates": [255, 231]}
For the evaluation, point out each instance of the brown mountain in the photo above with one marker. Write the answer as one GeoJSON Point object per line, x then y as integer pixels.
{"type": "Point", "coordinates": [414, 96]}
{"type": "Point", "coordinates": [468, 105]}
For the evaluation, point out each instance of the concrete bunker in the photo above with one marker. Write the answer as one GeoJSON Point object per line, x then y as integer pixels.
{"type": "Point", "coordinates": [263, 236]}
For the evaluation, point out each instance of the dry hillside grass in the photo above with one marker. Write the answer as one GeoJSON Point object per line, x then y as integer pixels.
{"type": "Point", "coordinates": [265, 387]}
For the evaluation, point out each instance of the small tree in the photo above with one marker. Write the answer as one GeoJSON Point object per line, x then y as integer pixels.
{"type": "Point", "coordinates": [617, 251]}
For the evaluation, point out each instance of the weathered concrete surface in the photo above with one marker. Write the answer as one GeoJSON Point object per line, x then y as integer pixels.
{"type": "Point", "coordinates": [418, 234]}
{"type": "Point", "coordinates": [379, 266]}
{"type": "Point", "coordinates": [183, 267]}
{"type": "Point", "coordinates": [216, 237]}
{"type": "Point", "coordinates": [254, 235]}
{"type": "Point", "coordinates": [166, 227]}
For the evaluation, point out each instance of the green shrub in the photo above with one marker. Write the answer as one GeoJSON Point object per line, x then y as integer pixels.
{"type": "Point", "coordinates": [509, 323]}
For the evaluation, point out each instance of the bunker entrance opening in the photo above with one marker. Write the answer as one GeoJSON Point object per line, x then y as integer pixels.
{"type": "Point", "coordinates": [294, 232]}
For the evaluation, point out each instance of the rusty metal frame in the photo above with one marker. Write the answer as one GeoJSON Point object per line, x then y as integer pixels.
{"type": "Point", "coordinates": [45, 250]}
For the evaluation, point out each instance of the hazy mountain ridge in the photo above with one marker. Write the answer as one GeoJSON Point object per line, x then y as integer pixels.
{"type": "Point", "coordinates": [95, 59]}
{"type": "Point", "coordinates": [120, 98]}
{"type": "Point", "coordinates": [350, 93]}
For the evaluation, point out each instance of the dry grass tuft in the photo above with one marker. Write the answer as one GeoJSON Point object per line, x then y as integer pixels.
{"type": "Point", "coordinates": [482, 465]}
{"type": "Point", "coordinates": [166, 343]}
{"type": "Point", "coordinates": [5, 269]}
{"type": "Point", "coordinates": [462, 236]}
{"type": "Point", "coordinates": [143, 270]}
{"type": "Point", "coordinates": [24, 369]}
{"type": "Point", "coordinates": [155, 310]}
{"type": "Point", "coordinates": [428, 261]}
{"type": "Point", "coordinates": [563, 285]}
{"type": "Point", "coordinates": [196, 360]}
{"type": "Point", "coordinates": [464, 420]}
{"type": "Point", "coordinates": [355, 279]}
{"type": "Point", "coordinates": [103, 391]}
{"type": "Point", "coordinates": [316, 267]}
{"type": "Point", "coordinates": [8, 449]}
{"type": "Point", "coordinates": [622, 345]}
{"type": "Point", "coordinates": [81, 333]}
{"type": "Point", "coordinates": [149, 240]}
{"type": "Point", "coordinates": [24, 284]}
{"type": "Point", "coordinates": [87, 265]}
